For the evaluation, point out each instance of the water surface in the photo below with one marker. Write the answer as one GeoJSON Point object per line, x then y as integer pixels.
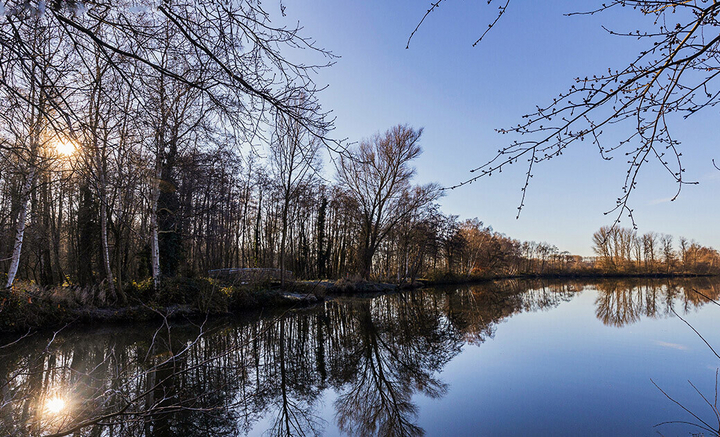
{"type": "Point", "coordinates": [508, 358]}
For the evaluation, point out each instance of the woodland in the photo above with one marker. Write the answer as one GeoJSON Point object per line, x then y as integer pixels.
{"type": "Point", "coordinates": [143, 146]}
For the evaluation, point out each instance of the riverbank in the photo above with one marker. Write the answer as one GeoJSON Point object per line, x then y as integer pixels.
{"type": "Point", "coordinates": [28, 306]}
{"type": "Point", "coordinates": [468, 279]}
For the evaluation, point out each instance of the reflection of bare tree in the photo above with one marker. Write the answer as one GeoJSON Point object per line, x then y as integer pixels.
{"type": "Point", "coordinates": [474, 310]}
{"type": "Point", "coordinates": [623, 302]}
{"type": "Point", "coordinates": [618, 307]}
{"type": "Point", "coordinates": [387, 369]}
{"type": "Point", "coordinates": [542, 295]}
{"type": "Point", "coordinates": [132, 384]}
{"type": "Point", "coordinates": [220, 379]}
{"type": "Point", "coordinates": [298, 394]}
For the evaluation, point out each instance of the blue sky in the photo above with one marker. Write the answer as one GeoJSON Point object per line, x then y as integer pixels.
{"type": "Point", "coordinates": [460, 95]}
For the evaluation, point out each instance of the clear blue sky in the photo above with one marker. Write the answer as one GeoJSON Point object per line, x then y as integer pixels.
{"type": "Point", "coordinates": [460, 94]}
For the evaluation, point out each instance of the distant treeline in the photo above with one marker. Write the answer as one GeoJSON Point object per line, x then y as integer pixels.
{"type": "Point", "coordinates": [622, 250]}
{"type": "Point", "coordinates": [471, 250]}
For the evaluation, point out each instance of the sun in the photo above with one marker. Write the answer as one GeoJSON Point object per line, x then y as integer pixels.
{"type": "Point", "coordinates": [65, 147]}
{"type": "Point", "coordinates": [55, 405]}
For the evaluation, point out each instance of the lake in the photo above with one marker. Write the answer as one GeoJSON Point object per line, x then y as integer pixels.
{"type": "Point", "coordinates": [507, 358]}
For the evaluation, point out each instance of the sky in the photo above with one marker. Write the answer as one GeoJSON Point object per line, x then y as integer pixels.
{"type": "Point", "coordinates": [460, 94]}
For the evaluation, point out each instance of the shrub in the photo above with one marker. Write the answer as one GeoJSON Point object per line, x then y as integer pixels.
{"type": "Point", "coordinates": [445, 277]}
{"type": "Point", "coordinates": [349, 284]}
{"type": "Point", "coordinates": [317, 289]}
{"type": "Point", "coordinates": [26, 305]}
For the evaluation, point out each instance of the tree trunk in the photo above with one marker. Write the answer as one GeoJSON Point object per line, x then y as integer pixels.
{"type": "Point", "coordinates": [20, 229]}
{"type": "Point", "coordinates": [104, 239]}
{"type": "Point", "coordinates": [154, 241]}
{"type": "Point", "coordinates": [366, 256]}
{"type": "Point", "coordinates": [56, 229]}
{"type": "Point", "coordinates": [282, 244]}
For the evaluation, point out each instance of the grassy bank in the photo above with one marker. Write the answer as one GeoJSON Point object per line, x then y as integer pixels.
{"type": "Point", "coordinates": [27, 305]}
{"type": "Point", "coordinates": [453, 278]}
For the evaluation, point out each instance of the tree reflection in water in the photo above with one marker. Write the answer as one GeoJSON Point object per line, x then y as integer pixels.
{"type": "Point", "coordinates": [297, 384]}
{"type": "Point", "coordinates": [230, 378]}
{"type": "Point", "coordinates": [400, 347]}
{"type": "Point", "coordinates": [624, 302]}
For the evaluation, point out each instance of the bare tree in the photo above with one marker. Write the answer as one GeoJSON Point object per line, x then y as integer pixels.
{"type": "Point", "coordinates": [96, 147]}
{"type": "Point", "coordinates": [294, 157]}
{"type": "Point", "coordinates": [30, 75]}
{"type": "Point", "coordinates": [650, 242]}
{"type": "Point", "coordinates": [377, 175]}
{"type": "Point", "coordinates": [669, 255]}
{"type": "Point", "coordinates": [219, 71]}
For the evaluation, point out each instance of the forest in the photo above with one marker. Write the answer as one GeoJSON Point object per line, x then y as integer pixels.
{"type": "Point", "coordinates": [139, 145]}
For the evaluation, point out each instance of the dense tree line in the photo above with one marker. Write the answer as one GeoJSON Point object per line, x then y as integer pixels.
{"type": "Point", "coordinates": [145, 141]}
{"type": "Point", "coordinates": [215, 208]}
{"type": "Point", "coordinates": [133, 141]}
{"type": "Point", "coordinates": [113, 117]}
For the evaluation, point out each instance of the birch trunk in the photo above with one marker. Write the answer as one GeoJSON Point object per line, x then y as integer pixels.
{"type": "Point", "coordinates": [20, 229]}
{"type": "Point", "coordinates": [154, 240]}
{"type": "Point", "coordinates": [104, 238]}
{"type": "Point", "coordinates": [34, 129]}
{"type": "Point", "coordinates": [101, 170]}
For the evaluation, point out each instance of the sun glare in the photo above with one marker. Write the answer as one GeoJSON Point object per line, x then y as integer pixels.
{"type": "Point", "coordinates": [55, 405]}
{"type": "Point", "coordinates": [65, 147]}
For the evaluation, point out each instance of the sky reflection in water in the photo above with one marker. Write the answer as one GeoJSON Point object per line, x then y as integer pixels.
{"type": "Point", "coordinates": [501, 359]}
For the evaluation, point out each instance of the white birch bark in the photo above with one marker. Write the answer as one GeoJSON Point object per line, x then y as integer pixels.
{"type": "Point", "coordinates": [154, 228]}
{"type": "Point", "coordinates": [20, 229]}
{"type": "Point", "coordinates": [104, 238]}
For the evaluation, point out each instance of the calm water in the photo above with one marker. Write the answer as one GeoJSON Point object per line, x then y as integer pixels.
{"type": "Point", "coordinates": [503, 359]}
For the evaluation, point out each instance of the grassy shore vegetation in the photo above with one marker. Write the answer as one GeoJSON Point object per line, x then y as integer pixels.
{"type": "Point", "coordinates": [27, 305]}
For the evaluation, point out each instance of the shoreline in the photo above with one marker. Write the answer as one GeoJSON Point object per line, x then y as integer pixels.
{"type": "Point", "coordinates": [47, 315]}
